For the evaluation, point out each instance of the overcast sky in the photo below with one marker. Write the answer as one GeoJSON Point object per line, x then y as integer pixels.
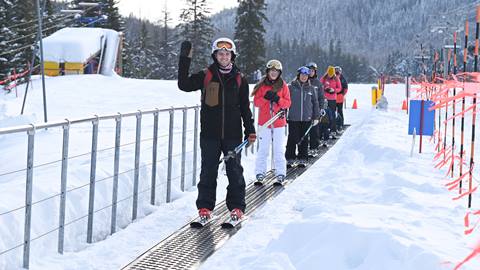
{"type": "Point", "coordinates": [152, 9]}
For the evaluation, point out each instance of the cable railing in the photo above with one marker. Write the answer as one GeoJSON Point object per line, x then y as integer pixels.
{"type": "Point", "coordinates": [86, 215]}
{"type": "Point", "coordinates": [150, 144]}
{"type": "Point", "coordinates": [141, 146]}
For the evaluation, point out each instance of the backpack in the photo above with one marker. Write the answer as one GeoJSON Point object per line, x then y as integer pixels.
{"type": "Point", "coordinates": [209, 75]}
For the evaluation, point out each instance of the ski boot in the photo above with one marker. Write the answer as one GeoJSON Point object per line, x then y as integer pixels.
{"type": "Point", "coordinates": [204, 214]}
{"type": "Point", "coordinates": [259, 179]}
{"type": "Point", "coordinates": [302, 163]}
{"type": "Point", "coordinates": [290, 163]}
{"type": "Point", "coordinates": [236, 214]}
{"type": "Point", "coordinates": [279, 180]}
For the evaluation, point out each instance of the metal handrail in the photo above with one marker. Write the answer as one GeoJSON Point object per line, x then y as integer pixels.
{"type": "Point", "coordinates": [94, 121]}
{"type": "Point", "coordinates": [24, 128]}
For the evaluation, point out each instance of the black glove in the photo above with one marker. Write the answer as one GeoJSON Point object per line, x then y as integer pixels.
{"type": "Point", "coordinates": [185, 48]}
{"type": "Point", "coordinates": [330, 90]}
{"type": "Point", "coordinates": [272, 96]}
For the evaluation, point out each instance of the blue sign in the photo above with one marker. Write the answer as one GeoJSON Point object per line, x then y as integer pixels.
{"type": "Point", "coordinates": [415, 117]}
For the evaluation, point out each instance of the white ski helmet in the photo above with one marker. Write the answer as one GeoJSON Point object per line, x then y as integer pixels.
{"type": "Point", "coordinates": [274, 64]}
{"type": "Point", "coordinates": [224, 44]}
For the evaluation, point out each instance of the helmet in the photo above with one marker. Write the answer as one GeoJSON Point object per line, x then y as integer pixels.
{"type": "Point", "coordinates": [224, 44]}
{"type": "Point", "coordinates": [303, 70]}
{"type": "Point", "coordinates": [312, 65]}
{"type": "Point", "coordinates": [338, 69]}
{"type": "Point", "coordinates": [330, 71]}
{"type": "Point", "coordinates": [275, 64]}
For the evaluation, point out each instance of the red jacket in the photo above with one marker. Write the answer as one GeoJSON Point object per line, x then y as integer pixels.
{"type": "Point", "coordinates": [341, 95]}
{"type": "Point", "coordinates": [334, 83]}
{"type": "Point", "coordinates": [263, 104]}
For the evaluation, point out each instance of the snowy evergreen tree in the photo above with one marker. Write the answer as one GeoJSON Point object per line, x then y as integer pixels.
{"type": "Point", "coordinates": [198, 29]}
{"type": "Point", "coordinates": [5, 34]}
{"type": "Point", "coordinates": [249, 35]}
{"type": "Point", "coordinates": [166, 52]}
{"type": "Point", "coordinates": [114, 20]}
{"type": "Point", "coordinates": [139, 60]}
{"type": "Point", "coordinates": [24, 13]}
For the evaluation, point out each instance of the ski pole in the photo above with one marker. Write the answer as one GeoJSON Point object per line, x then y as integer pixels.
{"type": "Point", "coordinates": [306, 133]}
{"type": "Point", "coordinates": [238, 149]}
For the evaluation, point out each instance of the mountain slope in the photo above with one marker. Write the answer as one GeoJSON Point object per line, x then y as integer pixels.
{"type": "Point", "coordinates": [368, 28]}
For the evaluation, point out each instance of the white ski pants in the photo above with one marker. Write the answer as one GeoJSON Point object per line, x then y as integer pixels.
{"type": "Point", "coordinates": [264, 142]}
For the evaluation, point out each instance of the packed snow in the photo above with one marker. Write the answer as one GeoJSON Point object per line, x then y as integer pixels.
{"type": "Point", "coordinates": [77, 45]}
{"type": "Point", "coordinates": [366, 204]}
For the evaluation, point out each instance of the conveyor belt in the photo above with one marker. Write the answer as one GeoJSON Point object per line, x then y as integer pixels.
{"type": "Point", "coordinates": [187, 248]}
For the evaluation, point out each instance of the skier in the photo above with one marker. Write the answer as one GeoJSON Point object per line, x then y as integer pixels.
{"type": "Point", "coordinates": [315, 82]}
{"type": "Point", "coordinates": [341, 96]}
{"type": "Point", "coordinates": [302, 114]}
{"type": "Point", "coordinates": [271, 95]}
{"type": "Point", "coordinates": [224, 104]}
{"type": "Point", "coordinates": [257, 75]}
{"type": "Point", "coordinates": [332, 86]}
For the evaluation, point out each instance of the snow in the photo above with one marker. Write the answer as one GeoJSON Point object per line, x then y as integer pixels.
{"type": "Point", "coordinates": [365, 205]}
{"type": "Point", "coordinates": [77, 45]}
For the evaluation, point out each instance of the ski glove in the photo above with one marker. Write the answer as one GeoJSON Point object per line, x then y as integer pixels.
{"type": "Point", "coordinates": [330, 90]}
{"type": "Point", "coordinates": [272, 96]}
{"type": "Point", "coordinates": [323, 112]}
{"type": "Point", "coordinates": [186, 49]}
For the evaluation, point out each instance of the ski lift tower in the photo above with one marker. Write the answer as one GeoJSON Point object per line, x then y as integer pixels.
{"type": "Point", "coordinates": [83, 17]}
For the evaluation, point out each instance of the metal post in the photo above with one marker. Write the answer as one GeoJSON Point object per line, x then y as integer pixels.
{"type": "Point", "coordinates": [445, 62]}
{"type": "Point", "coordinates": [28, 198]}
{"type": "Point", "coordinates": [137, 164]}
{"type": "Point", "coordinates": [170, 150]}
{"type": "Point", "coordinates": [184, 149]}
{"type": "Point", "coordinates": [195, 148]}
{"type": "Point", "coordinates": [30, 70]}
{"type": "Point", "coordinates": [42, 64]}
{"type": "Point", "coordinates": [93, 166]}
{"type": "Point", "coordinates": [116, 166]}
{"type": "Point", "coordinates": [254, 119]}
{"type": "Point", "coordinates": [154, 157]}
{"type": "Point", "coordinates": [421, 125]}
{"type": "Point", "coordinates": [63, 188]}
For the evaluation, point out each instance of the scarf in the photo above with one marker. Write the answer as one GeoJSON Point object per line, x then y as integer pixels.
{"type": "Point", "coordinates": [225, 70]}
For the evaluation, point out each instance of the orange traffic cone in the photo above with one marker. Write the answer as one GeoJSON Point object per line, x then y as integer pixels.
{"type": "Point", "coordinates": [404, 105]}
{"type": "Point", "coordinates": [354, 106]}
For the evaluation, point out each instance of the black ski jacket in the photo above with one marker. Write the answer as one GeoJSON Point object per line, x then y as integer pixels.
{"type": "Point", "coordinates": [223, 104]}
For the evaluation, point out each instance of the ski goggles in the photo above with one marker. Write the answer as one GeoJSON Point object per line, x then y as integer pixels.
{"type": "Point", "coordinates": [273, 64]}
{"type": "Point", "coordinates": [222, 44]}
{"type": "Point", "coordinates": [303, 70]}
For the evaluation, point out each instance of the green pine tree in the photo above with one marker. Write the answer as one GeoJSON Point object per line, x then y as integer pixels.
{"type": "Point", "coordinates": [114, 20]}
{"type": "Point", "coordinates": [166, 53]}
{"type": "Point", "coordinates": [249, 35]}
{"type": "Point", "coordinates": [198, 29]}
{"type": "Point", "coordinates": [5, 35]}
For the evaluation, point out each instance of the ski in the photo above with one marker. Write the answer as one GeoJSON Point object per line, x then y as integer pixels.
{"type": "Point", "coordinates": [301, 165]}
{"type": "Point", "coordinates": [232, 223]}
{"type": "Point", "coordinates": [278, 183]}
{"type": "Point", "coordinates": [258, 183]}
{"type": "Point", "coordinates": [291, 164]}
{"type": "Point", "coordinates": [201, 222]}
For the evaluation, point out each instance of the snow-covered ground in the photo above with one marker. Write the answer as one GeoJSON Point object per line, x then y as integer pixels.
{"type": "Point", "coordinates": [365, 205]}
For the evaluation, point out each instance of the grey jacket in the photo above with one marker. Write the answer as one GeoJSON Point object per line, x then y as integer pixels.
{"type": "Point", "coordinates": [315, 82]}
{"type": "Point", "coordinates": [304, 102]}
